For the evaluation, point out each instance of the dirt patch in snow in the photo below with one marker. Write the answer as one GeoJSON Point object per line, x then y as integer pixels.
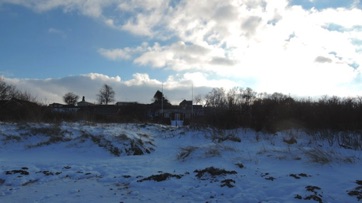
{"type": "Point", "coordinates": [161, 177]}
{"type": "Point", "coordinates": [213, 172]}
{"type": "Point", "coordinates": [314, 193]}
{"type": "Point", "coordinates": [357, 191]}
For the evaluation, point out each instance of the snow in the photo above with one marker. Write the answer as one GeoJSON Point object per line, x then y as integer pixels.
{"type": "Point", "coordinates": [87, 162]}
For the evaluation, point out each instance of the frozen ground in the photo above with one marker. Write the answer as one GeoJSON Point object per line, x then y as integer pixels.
{"type": "Point", "coordinates": [84, 162]}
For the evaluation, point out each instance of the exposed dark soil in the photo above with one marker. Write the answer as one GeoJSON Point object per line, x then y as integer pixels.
{"type": "Point", "coordinates": [21, 172]}
{"type": "Point", "coordinates": [212, 172]}
{"type": "Point", "coordinates": [161, 177]}
{"type": "Point", "coordinates": [357, 191]}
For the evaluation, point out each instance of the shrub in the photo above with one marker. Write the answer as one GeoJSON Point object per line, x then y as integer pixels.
{"type": "Point", "coordinates": [350, 140]}
{"type": "Point", "coordinates": [318, 156]}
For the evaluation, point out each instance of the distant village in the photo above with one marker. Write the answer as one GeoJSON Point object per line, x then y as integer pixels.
{"type": "Point", "coordinates": [160, 110]}
{"type": "Point", "coordinates": [238, 107]}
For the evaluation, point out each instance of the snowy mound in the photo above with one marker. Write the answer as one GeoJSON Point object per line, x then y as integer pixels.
{"type": "Point", "coordinates": [118, 141]}
{"type": "Point", "coordinates": [85, 162]}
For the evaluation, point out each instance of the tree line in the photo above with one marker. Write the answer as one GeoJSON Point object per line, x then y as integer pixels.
{"type": "Point", "coordinates": [243, 107]}
{"type": "Point", "coordinates": [8, 92]}
{"type": "Point", "coordinates": [16, 105]}
{"type": "Point", "coordinates": [237, 107]}
{"type": "Point", "coordinates": [105, 96]}
{"type": "Point", "coordinates": [23, 106]}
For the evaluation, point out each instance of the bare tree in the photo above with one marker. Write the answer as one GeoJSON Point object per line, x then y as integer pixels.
{"type": "Point", "coordinates": [278, 97]}
{"type": "Point", "coordinates": [233, 97]}
{"type": "Point", "coordinates": [70, 98]}
{"type": "Point", "coordinates": [216, 98]}
{"type": "Point", "coordinates": [106, 95]}
{"type": "Point", "coordinates": [6, 91]}
{"type": "Point", "coordinates": [248, 95]}
{"type": "Point", "coordinates": [198, 99]}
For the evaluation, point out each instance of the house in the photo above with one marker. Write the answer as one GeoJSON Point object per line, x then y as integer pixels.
{"type": "Point", "coordinates": [178, 115]}
{"type": "Point", "coordinates": [84, 103]}
{"type": "Point", "coordinates": [185, 104]}
{"type": "Point", "coordinates": [63, 108]}
{"type": "Point", "coordinates": [104, 110]}
{"type": "Point", "coordinates": [56, 105]}
{"type": "Point", "coordinates": [161, 110]}
{"type": "Point", "coordinates": [175, 116]}
{"type": "Point", "coordinates": [191, 110]}
{"type": "Point", "coordinates": [126, 103]}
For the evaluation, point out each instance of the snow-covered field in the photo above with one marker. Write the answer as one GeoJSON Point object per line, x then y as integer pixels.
{"type": "Point", "coordinates": [85, 162]}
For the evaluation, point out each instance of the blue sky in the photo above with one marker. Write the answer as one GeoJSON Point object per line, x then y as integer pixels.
{"type": "Point", "coordinates": [298, 47]}
{"type": "Point", "coordinates": [57, 44]}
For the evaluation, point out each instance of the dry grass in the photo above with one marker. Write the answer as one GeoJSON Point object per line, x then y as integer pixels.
{"type": "Point", "coordinates": [219, 136]}
{"type": "Point", "coordinates": [185, 152]}
{"type": "Point", "coordinates": [207, 151]}
{"type": "Point", "coordinates": [212, 152]}
{"type": "Point", "coordinates": [290, 140]}
{"type": "Point", "coordinates": [316, 155]}
{"type": "Point", "coordinates": [10, 138]}
{"type": "Point", "coordinates": [52, 130]}
{"type": "Point", "coordinates": [320, 156]}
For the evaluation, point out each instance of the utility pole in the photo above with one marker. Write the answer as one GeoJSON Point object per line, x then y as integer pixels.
{"type": "Point", "coordinates": [162, 101]}
{"type": "Point", "coordinates": [192, 100]}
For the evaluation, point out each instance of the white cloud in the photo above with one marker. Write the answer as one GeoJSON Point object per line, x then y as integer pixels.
{"type": "Point", "coordinates": [198, 79]}
{"type": "Point", "coordinates": [140, 88]}
{"type": "Point", "coordinates": [277, 45]}
{"type": "Point", "coordinates": [90, 8]}
{"type": "Point", "coordinates": [57, 32]}
{"type": "Point", "coordinates": [323, 59]}
{"type": "Point", "coordinates": [102, 77]}
{"type": "Point", "coordinates": [145, 16]}
{"type": "Point", "coordinates": [181, 56]}
{"type": "Point", "coordinates": [124, 53]}
{"type": "Point", "coordinates": [115, 54]}
{"type": "Point", "coordinates": [142, 79]}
